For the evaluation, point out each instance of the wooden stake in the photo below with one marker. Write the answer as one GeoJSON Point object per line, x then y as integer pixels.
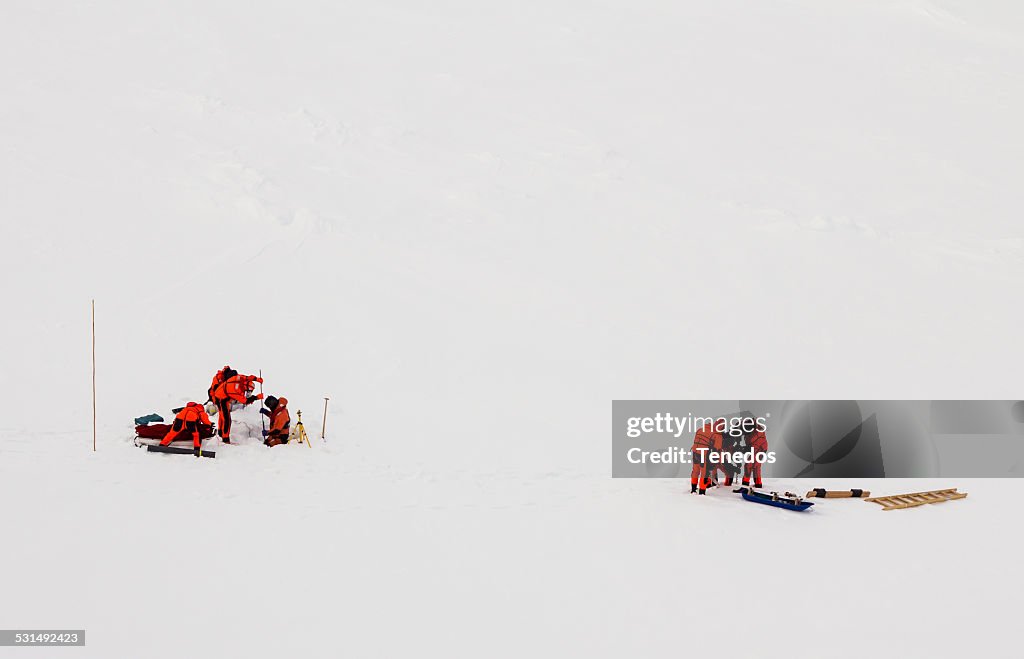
{"type": "Point", "coordinates": [94, 376]}
{"type": "Point", "coordinates": [323, 431]}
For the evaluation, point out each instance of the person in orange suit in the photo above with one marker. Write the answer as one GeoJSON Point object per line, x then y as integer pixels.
{"type": "Point", "coordinates": [705, 440]}
{"type": "Point", "coordinates": [234, 388]}
{"type": "Point", "coordinates": [188, 420]}
{"type": "Point", "coordinates": [280, 421]}
{"type": "Point", "coordinates": [758, 443]}
{"type": "Point", "coordinates": [218, 378]}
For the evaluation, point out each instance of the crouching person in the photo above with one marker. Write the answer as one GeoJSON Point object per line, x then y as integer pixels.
{"type": "Point", "coordinates": [187, 421]}
{"type": "Point", "coordinates": [280, 421]}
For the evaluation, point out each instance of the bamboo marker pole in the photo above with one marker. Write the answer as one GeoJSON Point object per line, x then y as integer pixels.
{"type": "Point", "coordinates": [94, 376]}
{"type": "Point", "coordinates": [323, 431]}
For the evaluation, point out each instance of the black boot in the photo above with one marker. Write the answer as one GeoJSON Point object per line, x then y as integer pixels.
{"type": "Point", "coordinates": [702, 492]}
{"type": "Point", "coordinates": [758, 485]}
{"type": "Point", "coordinates": [693, 488]}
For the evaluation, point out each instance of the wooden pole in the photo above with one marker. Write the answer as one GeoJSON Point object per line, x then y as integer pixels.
{"type": "Point", "coordinates": [94, 375]}
{"type": "Point", "coordinates": [323, 431]}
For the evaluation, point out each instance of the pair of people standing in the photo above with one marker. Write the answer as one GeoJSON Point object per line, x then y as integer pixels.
{"type": "Point", "coordinates": [227, 388]}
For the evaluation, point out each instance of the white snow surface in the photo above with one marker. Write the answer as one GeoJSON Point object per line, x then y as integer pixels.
{"type": "Point", "coordinates": [473, 225]}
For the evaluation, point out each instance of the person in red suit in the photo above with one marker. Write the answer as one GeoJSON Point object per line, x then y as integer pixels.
{"type": "Point", "coordinates": [234, 388]}
{"type": "Point", "coordinates": [706, 439]}
{"type": "Point", "coordinates": [218, 378]}
{"type": "Point", "coordinates": [187, 421]}
{"type": "Point", "coordinates": [280, 421]}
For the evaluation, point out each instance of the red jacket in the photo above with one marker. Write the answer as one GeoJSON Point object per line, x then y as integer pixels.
{"type": "Point", "coordinates": [218, 378]}
{"type": "Point", "coordinates": [280, 420]}
{"type": "Point", "coordinates": [707, 437]}
{"type": "Point", "coordinates": [758, 441]}
{"type": "Point", "coordinates": [194, 412]}
{"type": "Point", "coordinates": [235, 388]}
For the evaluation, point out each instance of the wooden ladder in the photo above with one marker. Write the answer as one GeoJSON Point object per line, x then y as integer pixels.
{"type": "Point", "coordinates": [898, 501]}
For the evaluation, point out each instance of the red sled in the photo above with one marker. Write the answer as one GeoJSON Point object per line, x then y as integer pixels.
{"type": "Point", "coordinates": [160, 430]}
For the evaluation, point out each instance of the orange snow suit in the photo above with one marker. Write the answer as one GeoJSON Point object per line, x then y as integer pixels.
{"type": "Point", "coordinates": [187, 420]}
{"type": "Point", "coordinates": [235, 388]}
{"type": "Point", "coordinates": [218, 378]}
{"type": "Point", "coordinates": [280, 422]}
{"type": "Point", "coordinates": [706, 438]}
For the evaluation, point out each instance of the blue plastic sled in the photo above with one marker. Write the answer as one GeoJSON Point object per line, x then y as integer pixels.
{"type": "Point", "coordinates": [780, 502]}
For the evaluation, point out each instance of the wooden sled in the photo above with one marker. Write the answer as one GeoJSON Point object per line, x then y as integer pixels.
{"type": "Point", "coordinates": [822, 493]}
